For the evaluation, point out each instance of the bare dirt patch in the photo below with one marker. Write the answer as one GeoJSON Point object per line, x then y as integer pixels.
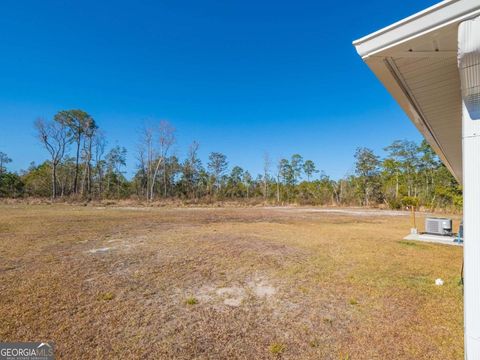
{"type": "Point", "coordinates": [347, 211]}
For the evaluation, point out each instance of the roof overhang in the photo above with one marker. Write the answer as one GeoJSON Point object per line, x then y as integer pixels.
{"type": "Point", "coordinates": [416, 60]}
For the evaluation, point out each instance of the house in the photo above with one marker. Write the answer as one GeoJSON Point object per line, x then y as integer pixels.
{"type": "Point", "coordinates": [430, 64]}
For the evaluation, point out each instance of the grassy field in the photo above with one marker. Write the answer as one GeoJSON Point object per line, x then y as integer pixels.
{"type": "Point", "coordinates": [226, 283]}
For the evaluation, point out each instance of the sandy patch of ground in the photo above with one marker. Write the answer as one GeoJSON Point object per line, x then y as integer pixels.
{"type": "Point", "coordinates": [262, 289]}
{"type": "Point", "coordinates": [99, 250]}
{"type": "Point", "coordinates": [351, 212]}
{"type": "Point", "coordinates": [234, 295]}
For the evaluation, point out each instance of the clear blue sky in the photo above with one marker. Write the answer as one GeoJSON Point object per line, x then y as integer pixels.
{"type": "Point", "coordinates": [240, 77]}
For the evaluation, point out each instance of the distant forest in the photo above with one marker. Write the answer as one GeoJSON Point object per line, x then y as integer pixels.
{"type": "Point", "coordinates": [80, 166]}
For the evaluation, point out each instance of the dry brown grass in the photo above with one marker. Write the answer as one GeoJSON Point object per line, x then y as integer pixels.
{"type": "Point", "coordinates": [225, 283]}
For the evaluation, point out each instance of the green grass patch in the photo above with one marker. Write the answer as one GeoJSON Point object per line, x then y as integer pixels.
{"type": "Point", "coordinates": [411, 244]}
{"type": "Point", "coordinates": [328, 321]}
{"type": "Point", "coordinates": [314, 343]}
{"type": "Point", "coordinates": [191, 300]}
{"type": "Point", "coordinates": [277, 348]}
{"type": "Point", "coordinates": [106, 296]}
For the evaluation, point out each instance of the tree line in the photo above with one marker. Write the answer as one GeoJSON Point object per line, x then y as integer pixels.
{"type": "Point", "coordinates": [80, 165]}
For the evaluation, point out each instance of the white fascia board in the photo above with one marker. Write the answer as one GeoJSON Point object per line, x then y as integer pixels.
{"type": "Point", "coordinates": [443, 14]}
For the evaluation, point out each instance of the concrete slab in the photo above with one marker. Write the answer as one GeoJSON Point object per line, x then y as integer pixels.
{"type": "Point", "coordinates": [446, 240]}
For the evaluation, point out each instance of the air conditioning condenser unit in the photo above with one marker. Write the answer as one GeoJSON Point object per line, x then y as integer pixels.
{"type": "Point", "coordinates": [438, 226]}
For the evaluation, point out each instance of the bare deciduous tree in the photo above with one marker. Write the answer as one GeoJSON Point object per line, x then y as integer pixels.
{"type": "Point", "coordinates": [148, 138]}
{"type": "Point", "coordinates": [279, 172]}
{"type": "Point", "coordinates": [166, 138]}
{"type": "Point", "coordinates": [54, 137]}
{"type": "Point", "coordinates": [266, 174]}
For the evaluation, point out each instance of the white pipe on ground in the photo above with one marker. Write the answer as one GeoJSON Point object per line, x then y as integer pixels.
{"type": "Point", "coordinates": [469, 67]}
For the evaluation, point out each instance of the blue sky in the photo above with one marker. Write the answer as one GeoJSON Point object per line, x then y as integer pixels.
{"type": "Point", "coordinates": [239, 77]}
